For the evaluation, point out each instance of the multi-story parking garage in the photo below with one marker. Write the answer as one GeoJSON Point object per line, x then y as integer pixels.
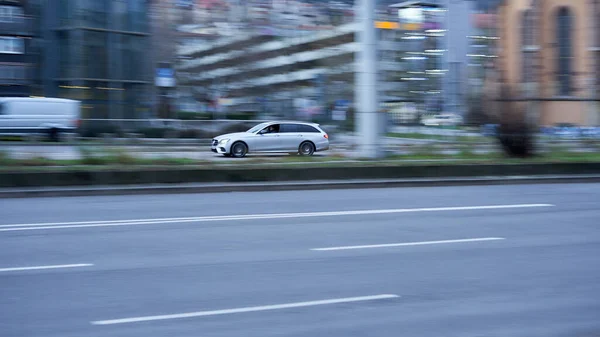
{"type": "Point", "coordinates": [259, 72]}
{"type": "Point", "coordinates": [281, 70]}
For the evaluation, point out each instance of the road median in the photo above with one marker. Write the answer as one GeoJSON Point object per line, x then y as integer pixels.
{"type": "Point", "coordinates": [256, 178]}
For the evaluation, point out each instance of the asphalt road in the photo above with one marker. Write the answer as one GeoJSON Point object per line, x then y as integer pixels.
{"type": "Point", "coordinates": [468, 262]}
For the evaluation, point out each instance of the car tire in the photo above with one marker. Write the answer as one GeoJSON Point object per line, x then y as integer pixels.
{"type": "Point", "coordinates": [54, 135]}
{"type": "Point", "coordinates": [306, 149]}
{"type": "Point", "coordinates": [239, 150]}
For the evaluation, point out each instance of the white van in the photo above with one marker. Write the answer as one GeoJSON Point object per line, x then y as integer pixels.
{"type": "Point", "coordinates": [50, 116]}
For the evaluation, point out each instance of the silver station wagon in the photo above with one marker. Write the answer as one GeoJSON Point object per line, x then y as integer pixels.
{"type": "Point", "coordinates": [273, 137]}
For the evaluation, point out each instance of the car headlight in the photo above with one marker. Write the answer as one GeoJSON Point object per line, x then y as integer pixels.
{"type": "Point", "coordinates": [224, 141]}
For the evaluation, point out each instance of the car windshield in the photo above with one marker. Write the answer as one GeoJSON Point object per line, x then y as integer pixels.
{"type": "Point", "coordinates": [258, 128]}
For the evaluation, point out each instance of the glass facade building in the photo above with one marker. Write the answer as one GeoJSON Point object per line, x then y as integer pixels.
{"type": "Point", "coordinates": [97, 51]}
{"type": "Point", "coordinates": [15, 53]}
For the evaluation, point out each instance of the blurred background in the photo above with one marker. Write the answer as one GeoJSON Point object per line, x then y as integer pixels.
{"type": "Point", "coordinates": [145, 66]}
{"type": "Point", "coordinates": [112, 218]}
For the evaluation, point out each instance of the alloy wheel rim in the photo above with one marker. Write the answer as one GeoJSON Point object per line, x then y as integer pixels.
{"type": "Point", "coordinates": [306, 149]}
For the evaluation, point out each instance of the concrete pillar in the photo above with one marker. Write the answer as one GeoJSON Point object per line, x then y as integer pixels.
{"type": "Point", "coordinates": [368, 123]}
{"type": "Point", "coordinates": [593, 106]}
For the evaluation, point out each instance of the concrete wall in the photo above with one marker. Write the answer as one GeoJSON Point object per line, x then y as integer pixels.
{"type": "Point", "coordinates": [573, 112]}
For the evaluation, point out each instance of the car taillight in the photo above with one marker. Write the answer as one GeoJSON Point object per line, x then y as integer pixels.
{"type": "Point", "coordinates": [326, 136]}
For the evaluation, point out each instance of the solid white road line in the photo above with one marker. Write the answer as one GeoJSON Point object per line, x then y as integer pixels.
{"type": "Point", "coordinates": [422, 243]}
{"type": "Point", "coordinates": [134, 222]}
{"type": "Point", "coordinates": [246, 309]}
{"type": "Point", "coordinates": [58, 266]}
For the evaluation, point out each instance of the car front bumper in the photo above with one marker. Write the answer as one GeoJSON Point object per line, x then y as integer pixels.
{"type": "Point", "coordinates": [219, 149]}
{"type": "Point", "coordinates": [216, 147]}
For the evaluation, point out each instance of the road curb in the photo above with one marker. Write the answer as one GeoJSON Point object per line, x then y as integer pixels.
{"type": "Point", "coordinates": [292, 186]}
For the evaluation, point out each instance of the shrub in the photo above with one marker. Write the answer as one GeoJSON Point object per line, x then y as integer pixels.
{"type": "Point", "coordinates": [89, 158]}
{"type": "Point", "coordinates": [112, 156]}
{"type": "Point", "coordinates": [94, 130]}
{"type": "Point", "coordinates": [94, 160]}
{"type": "Point", "coordinates": [203, 134]}
{"type": "Point", "coordinates": [4, 158]}
{"type": "Point", "coordinates": [191, 115]}
{"type": "Point", "coordinates": [189, 133]}
{"type": "Point", "coordinates": [235, 127]}
{"type": "Point", "coordinates": [153, 132]}
{"type": "Point", "coordinates": [121, 157]}
{"type": "Point", "coordinates": [242, 116]}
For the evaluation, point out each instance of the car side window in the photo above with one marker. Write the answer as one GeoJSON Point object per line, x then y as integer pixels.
{"type": "Point", "coordinates": [274, 128]}
{"type": "Point", "coordinates": [287, 128]}
{"type": "Point", "coordinates": [307, 129]}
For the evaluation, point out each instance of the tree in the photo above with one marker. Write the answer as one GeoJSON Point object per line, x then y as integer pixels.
{"type": "Point", "coordinates": [515, 133]}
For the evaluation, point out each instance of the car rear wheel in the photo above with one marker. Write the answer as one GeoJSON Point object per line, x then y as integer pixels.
{"type": "Point", "coordinates": [239, 150]}
{"type": "Point", "coordinates": [306, 149]}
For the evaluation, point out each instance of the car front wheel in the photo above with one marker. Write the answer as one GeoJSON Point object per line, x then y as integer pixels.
{"type": "Point", "coordinates": [239, 150]}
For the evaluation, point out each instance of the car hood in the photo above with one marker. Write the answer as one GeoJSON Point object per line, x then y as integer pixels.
{"type": "Point", "coordinates": [233, 135]}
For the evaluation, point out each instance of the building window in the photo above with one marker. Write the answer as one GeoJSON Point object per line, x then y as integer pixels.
{"type": "Point", "coordinates": [564, 28]}
{"type": "Point", "coordinates": [528, 47]}
{"type": "Point", "coordinates": [137, 15]}
{"type": "Point", "coordinates": [11, 45]}
{"type": "Point", "coordinates": [95, 55]}
{"type": "Point", "coordinates": [596, 22]}
{"type": "Point", "coordinates": [94, 13]}
{"type": "Point", "coordinates": [120, 14]}
{"type": "Point", "coordinates": [12, 72]}
{"type": "Point", "coordinates": [528, 28]}
{"type": "Point", "coordinates": [11, 14]}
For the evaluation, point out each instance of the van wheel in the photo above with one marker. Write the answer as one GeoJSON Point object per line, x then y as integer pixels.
{"type": "Point", "coordinates": [54, 135]}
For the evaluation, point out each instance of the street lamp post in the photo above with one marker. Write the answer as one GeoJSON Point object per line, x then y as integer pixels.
{"type": "Point", "coordinates": [368, 125]}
